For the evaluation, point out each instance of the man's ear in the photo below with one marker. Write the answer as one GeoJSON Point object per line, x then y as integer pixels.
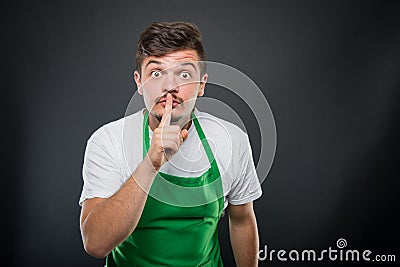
{"type": "Point", "coordinates": [202, 85]}
{"type": "Point", "coordinates": [136, 76]}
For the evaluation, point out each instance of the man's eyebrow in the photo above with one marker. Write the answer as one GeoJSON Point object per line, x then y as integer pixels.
{"type": "Point", "coordinates": [153, 61]}
{"type": "Point", "coordinates": [189, 64]}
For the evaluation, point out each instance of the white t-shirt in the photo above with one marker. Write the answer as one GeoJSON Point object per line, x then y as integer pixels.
{"type": "Point", "coordinates": [115, 150]}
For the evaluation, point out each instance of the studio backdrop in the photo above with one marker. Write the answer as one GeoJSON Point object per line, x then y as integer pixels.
{"type": "Point", "coordinates": [330, 71]}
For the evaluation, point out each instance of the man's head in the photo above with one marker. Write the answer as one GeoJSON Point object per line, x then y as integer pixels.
{"type": "Point", "coordinates": [167, 60]}
{"type": "Point", "coordinates": [162, 38]}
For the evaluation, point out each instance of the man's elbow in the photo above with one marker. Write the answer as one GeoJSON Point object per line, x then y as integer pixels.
{"type": "Point", "coordinates": [93, 249]}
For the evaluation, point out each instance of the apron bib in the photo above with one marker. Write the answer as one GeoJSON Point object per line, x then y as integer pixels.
{"type": "Point", "coordinates": [176, 235]}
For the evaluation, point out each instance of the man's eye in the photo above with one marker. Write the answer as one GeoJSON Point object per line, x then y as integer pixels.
{"type": "Point", "coordinates": [185, 75]}
{"type": "Point", "coordinates": [156, 74]}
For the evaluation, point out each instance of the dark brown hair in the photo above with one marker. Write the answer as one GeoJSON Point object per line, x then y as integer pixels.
{"type": "Point", "coordinates": [162, 38]}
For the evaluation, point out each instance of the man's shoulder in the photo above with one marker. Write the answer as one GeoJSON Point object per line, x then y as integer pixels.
{"type": "Point", "coordinates": [216, 125]}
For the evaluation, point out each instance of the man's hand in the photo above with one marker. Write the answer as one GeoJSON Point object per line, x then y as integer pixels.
{"type": "Point", "coordinates": [166, 138]}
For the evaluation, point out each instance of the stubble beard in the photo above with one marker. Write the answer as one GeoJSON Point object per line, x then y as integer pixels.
{"type": "Point", "coordinates": [180, 120]}
{"type": "Point", "coordinates": [174, 119]}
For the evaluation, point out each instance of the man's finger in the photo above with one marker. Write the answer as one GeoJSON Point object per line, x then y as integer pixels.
{"type": "Point", "coordinates": [184, 134]}
{"type": "Point", "coordinates": [166, 117]}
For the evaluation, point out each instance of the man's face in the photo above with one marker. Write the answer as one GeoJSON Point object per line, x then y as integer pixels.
{"type": "Point", "coordinates": [177, 73]}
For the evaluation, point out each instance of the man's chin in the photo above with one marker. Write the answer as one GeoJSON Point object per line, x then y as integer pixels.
{"type": "Point", "coordinates": [159, 116]}
{"type": "Point", "coordinates": [176, 118]}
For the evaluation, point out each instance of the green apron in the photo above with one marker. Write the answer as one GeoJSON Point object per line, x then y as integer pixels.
{"type": "Point", "coordinates": [176, 235]}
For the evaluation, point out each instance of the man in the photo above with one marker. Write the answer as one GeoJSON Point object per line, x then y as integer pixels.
{"type": "Point", "coordinates": [157, 182]}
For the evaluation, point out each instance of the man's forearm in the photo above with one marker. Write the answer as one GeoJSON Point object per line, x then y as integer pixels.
{"type": "Point", "coordinates": [244, 240]}
{"type": "Point", "coordinates": [114, 219]}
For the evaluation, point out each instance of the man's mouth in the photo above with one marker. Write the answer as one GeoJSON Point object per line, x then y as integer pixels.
{"type": "Point", "coordinates": [164, 100]}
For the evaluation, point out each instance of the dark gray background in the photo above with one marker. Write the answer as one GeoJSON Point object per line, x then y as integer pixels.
{"type": "Point", "coordinates": [330, 71]}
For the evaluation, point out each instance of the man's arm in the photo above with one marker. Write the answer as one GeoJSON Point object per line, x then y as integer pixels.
{"type": "Point", "coordinates": [244, 234]}
{"type": "Point", "coordinates": [106, 222]}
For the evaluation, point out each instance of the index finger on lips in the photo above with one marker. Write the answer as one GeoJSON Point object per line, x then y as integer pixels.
{"type": "Point", "coordinates": [166, 117]}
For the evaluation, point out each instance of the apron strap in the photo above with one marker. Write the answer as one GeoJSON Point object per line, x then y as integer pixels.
{"type": "Point", "coordinates": [146, 139]}
{"type": "Point", "coordinates": [204, 141]}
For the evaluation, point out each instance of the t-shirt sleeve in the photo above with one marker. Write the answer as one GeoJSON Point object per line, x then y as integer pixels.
{"type": "Point", "coordinates": [101, 174]}
{"type": "Point", "coordinates": [246, 185]}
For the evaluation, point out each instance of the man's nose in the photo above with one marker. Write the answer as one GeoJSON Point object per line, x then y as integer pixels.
{"type": "Point", "coordinates": [170, 84]}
